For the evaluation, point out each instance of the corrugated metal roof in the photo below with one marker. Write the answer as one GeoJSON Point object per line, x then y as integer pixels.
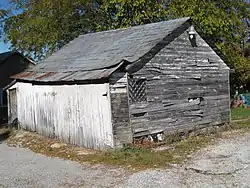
{"type": "Point", "coordinates": [90, 56]}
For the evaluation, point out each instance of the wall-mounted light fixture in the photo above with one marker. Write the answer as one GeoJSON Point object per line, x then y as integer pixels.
{"type": "Point", "coordinates": [191, 32]}
{"type": "Point", "coordinates": [192, 36]}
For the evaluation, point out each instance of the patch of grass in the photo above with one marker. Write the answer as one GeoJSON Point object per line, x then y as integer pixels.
{"type": "Point", "coordinates": [172, 137]}
{"type": "Point", "coordinates": [244, 125]}
{"type": "Point", "coordinates": [139, 157]}
{"type": "Point", "coordinates": [240, 113]}
{"type": "Point", "coordinates": [131, 156]}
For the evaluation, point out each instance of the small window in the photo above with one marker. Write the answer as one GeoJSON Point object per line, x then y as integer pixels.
{"type": "Point", "coordinates": [137, 90]}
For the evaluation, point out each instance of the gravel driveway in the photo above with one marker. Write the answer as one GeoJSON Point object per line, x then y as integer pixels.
{"type": "Point", "coordinates": [223, 165]}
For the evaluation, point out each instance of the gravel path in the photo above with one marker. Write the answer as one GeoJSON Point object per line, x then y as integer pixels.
{"type": "Point", "coordinates": [223, 165]}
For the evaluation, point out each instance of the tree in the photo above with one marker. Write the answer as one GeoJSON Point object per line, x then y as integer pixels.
{"type": "Point", "coordinates": [43, 26]}
{"type": "Point", "coordinates": [219, 19]}
{"type": "Point", "coordinates": [124, 13]}
{"type": "Point", "coordinates": [3, 14]}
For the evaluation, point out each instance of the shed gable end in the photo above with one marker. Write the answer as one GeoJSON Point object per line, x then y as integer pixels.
{"type": "Point", "coordinates": [180, 54]}
{"type": "Point", "coordinates": [186, 88]}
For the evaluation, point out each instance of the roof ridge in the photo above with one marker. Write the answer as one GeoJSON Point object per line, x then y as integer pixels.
{"type": "Point", "coordinates": [142, 25]}
{"type": "Point", "coordinates": [184, 19]}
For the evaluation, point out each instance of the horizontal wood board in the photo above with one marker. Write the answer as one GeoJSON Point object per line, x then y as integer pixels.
{"type": "Point", "coordinates": [175, 76]}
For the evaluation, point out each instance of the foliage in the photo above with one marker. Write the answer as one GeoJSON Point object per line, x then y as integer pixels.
{"type": "Point", "coordinates": [43, 26]}
{"type": "Point", "coordinates": [237, 61]}
{"type": "Point", "coordinates": [3, 14]}
{"type": "Point", "coordinates": [219, 19]}
{"type": "Point", "coordinates": [124, 13]}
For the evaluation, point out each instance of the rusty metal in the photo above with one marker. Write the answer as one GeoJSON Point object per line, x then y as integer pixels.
{"type": "Point", "coordinates": [66, 76]}
{"type": "Point", "coordinates": [24, 75]}
{"type": "Point", "coordinates": [45, 75]}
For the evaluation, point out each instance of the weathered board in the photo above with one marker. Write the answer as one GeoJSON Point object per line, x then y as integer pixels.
{"type": "Point", "coordinates": [120, 109]}
{"type": "Point", "coordinates": [12, 105]}
{"type": "Point", "coordinates": [186, 87]}
{"type": "Point", "coordinates": [77, 114]}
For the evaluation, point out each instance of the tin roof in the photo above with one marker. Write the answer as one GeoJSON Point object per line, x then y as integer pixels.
{"type": "Point", "coordinates": [97, 55]}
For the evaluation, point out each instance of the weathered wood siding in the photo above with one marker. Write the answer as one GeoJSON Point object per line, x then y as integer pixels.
{"type": "Point", "coordinates": [187, 88]}
{"type": "Point", "coordinates": [12, 105]}
{"type": "Point", "coordinates": [120, 109]}
{"type": "Point", "coordinates": [77, 114]}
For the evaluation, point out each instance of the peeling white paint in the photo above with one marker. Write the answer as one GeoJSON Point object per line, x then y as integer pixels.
{"type": "Point", "coordinates": [78, 114]}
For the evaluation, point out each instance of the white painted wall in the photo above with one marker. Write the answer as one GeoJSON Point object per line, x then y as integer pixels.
{"type": "Point", "coordinates": [78, 114]}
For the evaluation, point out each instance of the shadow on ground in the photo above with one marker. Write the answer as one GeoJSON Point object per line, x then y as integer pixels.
{"type": "Point", "coordinates": [4, 134]}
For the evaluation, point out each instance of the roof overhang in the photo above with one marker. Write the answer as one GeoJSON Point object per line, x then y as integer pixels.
{"type": "Point", "coordinates": [80, 77]}
{"type": "Point", "coordinates": [10, 85]}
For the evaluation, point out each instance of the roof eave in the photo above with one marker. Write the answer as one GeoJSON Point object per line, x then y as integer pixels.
{"type": "Point", "coordinates": [33, 77]}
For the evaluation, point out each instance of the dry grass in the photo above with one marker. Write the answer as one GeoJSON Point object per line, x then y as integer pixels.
{"type": "Point", "coordinates": [137, 156]}
{"type": "Point", "coordinates": [143, 157]}
{"type": "Point", "coordinates": [243, 125]}
{"type": "Point", "coordinates": [42, 145]}
{"type": "Point", "coordinates": [131, 156]}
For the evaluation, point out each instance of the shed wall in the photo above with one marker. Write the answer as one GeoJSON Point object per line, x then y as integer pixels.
{"type": "Point", "coordinates": [187, 88]}
{"type": "Point", "coordinates": [120, 108]}
{"type": "Point", "coordinates": [77, 114]}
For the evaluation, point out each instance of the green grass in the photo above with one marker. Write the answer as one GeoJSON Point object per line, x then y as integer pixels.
{"type": "Point", "coordinates": [243, 125]}
{"type": "Point", "coordinates": [140, 157]}
{"type": "Point", "coordinates": [240, 113]}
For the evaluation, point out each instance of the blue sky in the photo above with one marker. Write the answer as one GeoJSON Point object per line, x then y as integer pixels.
{"type": "Point", "coordinates": [4, 47]}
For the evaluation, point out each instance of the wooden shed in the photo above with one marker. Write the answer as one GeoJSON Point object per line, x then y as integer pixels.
{"type": "Point", "coordinates": [104, 89]}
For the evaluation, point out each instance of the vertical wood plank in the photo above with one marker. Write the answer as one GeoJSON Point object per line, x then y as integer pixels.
{"type": "Point", "coordinates": [78, 114]}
